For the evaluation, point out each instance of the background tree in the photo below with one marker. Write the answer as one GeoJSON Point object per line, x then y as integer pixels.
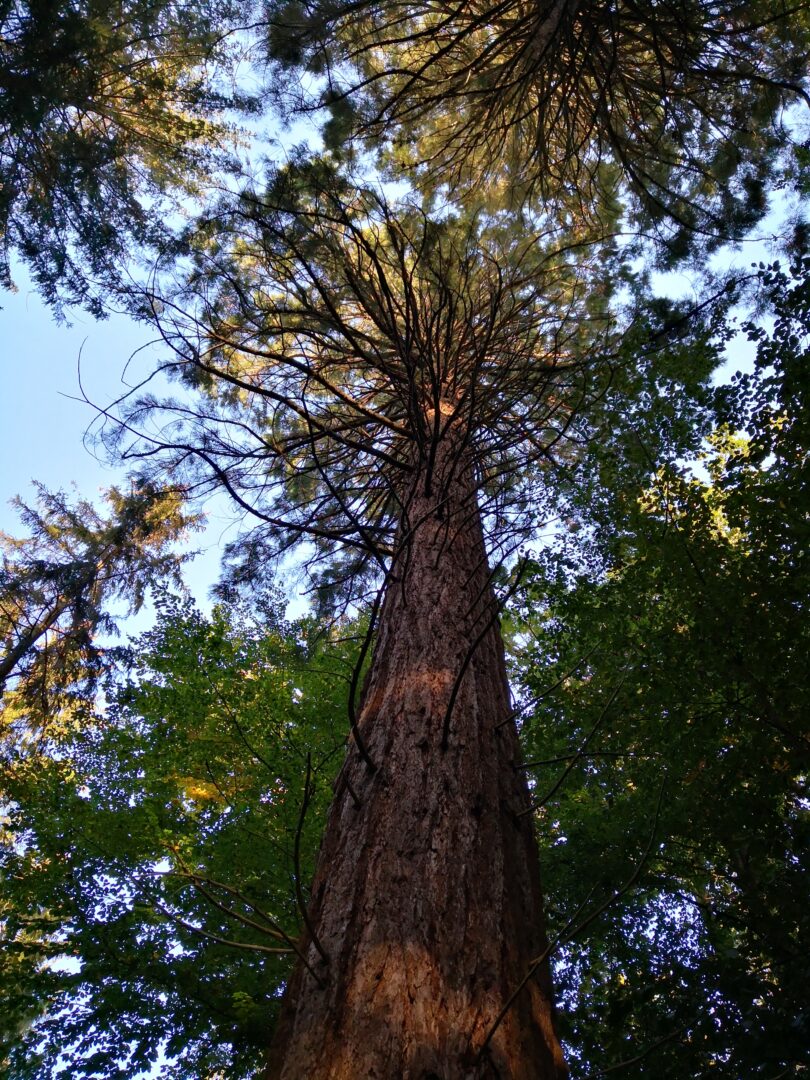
{"type": "Point", "coordinates": [106, 108]}
{"type": "Point", "coordinates": [57, 585]}
{"type": "Point", "coordinates": [58, 590]}
{"type": "Point", "coordinates": [671, 641]}
{"type": "Point", "coordinates": [152, 858]}
{"type": "Point", "coordinates": [678, 106]}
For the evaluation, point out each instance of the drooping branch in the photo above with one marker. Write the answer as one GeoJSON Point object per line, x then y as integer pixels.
{"type": "Point", "coordinates": [572, 101]}
{"type": "Point", "coordinates": [339, 340]}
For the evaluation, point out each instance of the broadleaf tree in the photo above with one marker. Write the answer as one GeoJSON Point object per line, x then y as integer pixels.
{"type": "Point", "coordinates": [152, 855]}
{"type": "Point", "coordinates": [672, 643]}
{"type": "Point", "coordinates": [61, 588]}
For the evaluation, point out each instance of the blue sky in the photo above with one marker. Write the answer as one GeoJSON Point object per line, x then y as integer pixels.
{"type": "Point", "coordinates": [43, 424]}
{"type": "Point", "coordinates": [46, 430]}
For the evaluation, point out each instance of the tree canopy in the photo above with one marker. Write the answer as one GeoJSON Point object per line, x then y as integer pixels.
{"type": "Point", "coordinates": [152, 853]}
{"type": "Point", "coordinates": [678, 105]}
{"type": "Point", "coordinates": [669, 647]}
{"type": "Point", "coordinates": [336, 337]}
{"type": "Point", "coordinates": [106, 108]}
{"type": "Point", "coordinates": [57, 583]}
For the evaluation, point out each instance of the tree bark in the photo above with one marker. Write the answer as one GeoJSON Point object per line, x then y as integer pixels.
{"type": "Point", "coordinates": [426, 898]}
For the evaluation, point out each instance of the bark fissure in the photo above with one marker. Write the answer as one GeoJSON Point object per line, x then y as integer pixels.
{"type": "Point", "coordinates": [426, 897]}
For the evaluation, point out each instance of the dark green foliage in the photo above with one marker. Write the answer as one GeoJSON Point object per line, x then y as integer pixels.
{"type": "Point", "coordinates": [173, 809]}
{"type": "Point", "coordinates": [677, 107]}
{"type": "Point", "coordinates": [57, 585]}
{"type": "Point", "coordinates": [106, 107]}
{"type": "Point", "coordinates": [672, 648]}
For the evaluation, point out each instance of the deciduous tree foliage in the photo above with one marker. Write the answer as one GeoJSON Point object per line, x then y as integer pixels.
{"type": "Point", "coordinates": [58, 588]}
{"type": "Point", "coordinates": [671, 646]}
{"type": "Point", "coordinates": [151, 853]}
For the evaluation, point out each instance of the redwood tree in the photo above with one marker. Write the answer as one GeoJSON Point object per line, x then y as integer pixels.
{"type": "Point", "coordinates": [392, 386]}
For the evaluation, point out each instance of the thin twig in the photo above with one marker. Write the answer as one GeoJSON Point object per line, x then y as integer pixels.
{"type": "Point", "coordinates": [573, 757]}
{"type": "Point", "coordinates": [513, 715]}
{"type": "Point", "coordinates": [216, 937]}
{"type": "Point", "coordinates": [645, 1053]}
{"type": "Point", "coordinates": [273, 930]}
{"type": "Point", "coordinates": [353, 718]}
{"type": "Point", "coordinates": [567, 675]}
{"type": "Point", "coordinates": [299, 892]}
{"type": "Point", "coordinates": [352, 793]}
{"type": "Point", "coordinates": [577, 757]}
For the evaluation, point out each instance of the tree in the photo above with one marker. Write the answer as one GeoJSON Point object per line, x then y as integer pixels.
{"type": "Point", "coordinates": [106, 107]}
{"type": "Point", "coordinates": [393, 384]}
{"type": "Point", "coordinates": [150, 855]}
{"type": "Point", "coordinates": [671, 644]}
{"type": "Point", "coordinates": [397, 386]}
{"type": "Point", "coordinates": [691, 970]}
{"type": "Point", "coordinates": [57, 583]}
{"type": "Point", "coordinates": [57, 588]}
{"type": "Point", "coordinates": [678, 106]}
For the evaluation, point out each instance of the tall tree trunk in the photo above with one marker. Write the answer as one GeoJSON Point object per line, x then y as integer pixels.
{"type": "Point", "coordinates": [426, 898]}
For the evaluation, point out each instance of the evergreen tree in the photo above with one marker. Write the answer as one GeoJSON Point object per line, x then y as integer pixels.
{"type": "Point", "coordinates": [395, 385]}
{"type": "Point", "coordinates": [57, 584]}
{"type": "Point", "coordinates": [110, 110]}
{"type": "Point", "coordinates": [677, 107]}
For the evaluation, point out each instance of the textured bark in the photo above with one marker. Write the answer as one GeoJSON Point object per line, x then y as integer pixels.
{"type": "Point", "coordinates": [426, 897]}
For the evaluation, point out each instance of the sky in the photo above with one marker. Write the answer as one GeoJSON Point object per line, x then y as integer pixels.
{"type": "Point", "coordinates": [46, 430]}
{"type": "Point", "coordinates": [42, 424]}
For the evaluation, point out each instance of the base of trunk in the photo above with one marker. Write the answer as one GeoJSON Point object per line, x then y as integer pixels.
{"type": "Point", "coordinates": [426, 898]}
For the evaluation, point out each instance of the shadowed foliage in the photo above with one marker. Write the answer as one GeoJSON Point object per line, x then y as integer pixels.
{"type": "Point", "coordinates": [109, 110]}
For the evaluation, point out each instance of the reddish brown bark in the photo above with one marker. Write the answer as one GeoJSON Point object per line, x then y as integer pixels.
{"type": "Point", "coordinates": [426, 897]}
